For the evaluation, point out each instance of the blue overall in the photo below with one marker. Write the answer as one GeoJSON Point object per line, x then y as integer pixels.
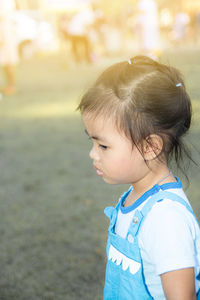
{"type": "Point", "coordinates": [124, 271]}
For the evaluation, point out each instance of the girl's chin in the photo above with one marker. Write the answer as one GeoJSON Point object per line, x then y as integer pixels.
{"type": "Point", "coordinates": [110, 181]}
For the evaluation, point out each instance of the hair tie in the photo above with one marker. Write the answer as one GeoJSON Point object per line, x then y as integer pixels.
{"type": "Point", "coordinates": [179, 84]}
{"type": "Point", "coordinates": [129, 61]}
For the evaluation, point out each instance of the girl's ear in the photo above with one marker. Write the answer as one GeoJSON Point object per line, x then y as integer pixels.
{"type": "Point", "coordinates": [152, 146]}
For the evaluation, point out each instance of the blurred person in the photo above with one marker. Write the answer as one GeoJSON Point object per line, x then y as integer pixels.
{"type": "Point", "coordinates": [147, 28]}
{"type": "Point", "coordinates": [78, 31]}
{"type": "Point", "coordinates": [63, 25]}
{"type": "Point", "coordinates": [27, 33]}
{"type": "Point", "coordinates": [198, 21]}
{"type": "Point", "coordinates": [8, 46]}
{"type": "Point", "coordinates": [112, 37]}
{"type": "Point", "coordinates": [180, 27]}
{"type": "Point", "coordinates": [136, 114]}
{"type": "Point", "coordinates": [166, 21]}
{"type": "Point", "coordinates": [196, 27]}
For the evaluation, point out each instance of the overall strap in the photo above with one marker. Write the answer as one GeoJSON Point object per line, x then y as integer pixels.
{"type": "Point", "coordinates": [108, 211]}
{"type": "Point", "coordinates": [111, 212]}
{"type": "Point", "coordinates": [161, 195]}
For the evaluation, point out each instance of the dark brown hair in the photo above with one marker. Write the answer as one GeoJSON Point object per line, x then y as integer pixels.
{"type": "Point", "coordinates": [144, 97]}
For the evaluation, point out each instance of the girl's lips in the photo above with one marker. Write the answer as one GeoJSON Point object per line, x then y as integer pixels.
{"type": "Point", "coordinates": [99, 172]}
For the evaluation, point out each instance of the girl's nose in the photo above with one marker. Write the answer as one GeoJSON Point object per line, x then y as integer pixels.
{"type": "Point", "coordinates": [93, 154]}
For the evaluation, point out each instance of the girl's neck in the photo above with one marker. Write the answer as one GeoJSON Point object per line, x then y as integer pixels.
{"type": "Point", "coordinates": [152, 178]}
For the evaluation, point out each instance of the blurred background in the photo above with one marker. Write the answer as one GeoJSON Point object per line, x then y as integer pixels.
{"type": "Point", "coordinates": [52, 227]}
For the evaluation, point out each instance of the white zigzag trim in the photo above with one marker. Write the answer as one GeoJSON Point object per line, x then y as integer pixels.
{"type": "Point", "coordinates": [118, 258]}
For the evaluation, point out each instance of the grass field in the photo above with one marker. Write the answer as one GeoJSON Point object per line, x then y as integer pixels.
{"type": "Point", "coordinates": [52, 226]}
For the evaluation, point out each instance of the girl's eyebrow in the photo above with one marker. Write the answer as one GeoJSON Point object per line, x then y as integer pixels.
{"type": "Point", "coordinates": [95, 137]}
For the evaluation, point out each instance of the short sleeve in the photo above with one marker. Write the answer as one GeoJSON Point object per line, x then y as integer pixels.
{"type": "Point", "coordinates": [167, 237]}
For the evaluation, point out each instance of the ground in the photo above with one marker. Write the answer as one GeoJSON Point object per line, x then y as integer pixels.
{"type": "Point", "coordinates": [52, 226]}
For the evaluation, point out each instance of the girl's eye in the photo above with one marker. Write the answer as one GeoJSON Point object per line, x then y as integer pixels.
{"type": "Point", "coordinates": [103, 146]}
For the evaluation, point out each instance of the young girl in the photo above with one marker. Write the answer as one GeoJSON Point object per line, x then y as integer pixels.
{"type": "Point", "coordinates": [136, 115]}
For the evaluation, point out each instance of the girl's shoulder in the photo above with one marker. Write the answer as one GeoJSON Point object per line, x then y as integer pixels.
{"type": "Point", "coordinates": [171, 211]}
{"type": "Point", "coordinates": [169, 218]}
{"type": "Point", "coordinates": [169, 237]}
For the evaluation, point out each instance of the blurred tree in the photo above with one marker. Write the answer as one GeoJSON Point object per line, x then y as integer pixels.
{"type": "Point", "coordinates": [27, 4]}
{"type": "Point", "coordinates": [115, 6]}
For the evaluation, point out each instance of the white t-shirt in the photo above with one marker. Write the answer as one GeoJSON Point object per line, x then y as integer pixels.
{"type": "Point", "coordinates": [169, 239]}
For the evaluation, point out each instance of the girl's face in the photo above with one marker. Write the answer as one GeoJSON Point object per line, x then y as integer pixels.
{"type": "Point", "coordinates": [114, 157]}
